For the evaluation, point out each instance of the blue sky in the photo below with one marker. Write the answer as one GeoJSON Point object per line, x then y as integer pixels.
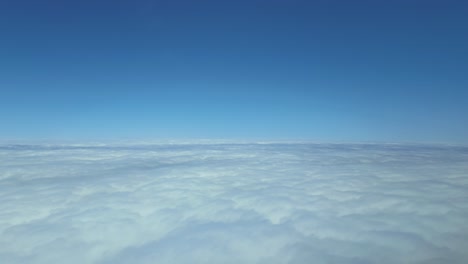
{"type": "Point", "coordinates": [317, 70]}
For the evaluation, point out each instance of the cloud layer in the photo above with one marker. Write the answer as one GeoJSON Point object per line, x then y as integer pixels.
{"type": "Point", "coordinates": [233, 203]}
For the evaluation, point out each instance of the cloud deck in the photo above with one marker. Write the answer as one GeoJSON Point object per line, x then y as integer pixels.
{"type": "Point", "coordinates": [233, 203]}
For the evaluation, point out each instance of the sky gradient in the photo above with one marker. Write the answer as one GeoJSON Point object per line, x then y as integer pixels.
{"type": "Point", "coordinates": [315, 70]}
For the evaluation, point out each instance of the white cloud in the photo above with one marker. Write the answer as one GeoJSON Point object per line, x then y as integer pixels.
{"type": "Point", "coordinates": [233, 203]}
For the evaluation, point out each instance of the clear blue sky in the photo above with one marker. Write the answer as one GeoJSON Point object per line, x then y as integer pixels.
{"type": "Point", "coordinates": [320, 70]}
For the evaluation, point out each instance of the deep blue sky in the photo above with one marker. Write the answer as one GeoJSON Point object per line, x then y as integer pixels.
{"type": "Point", "coordinates": [320, 70]}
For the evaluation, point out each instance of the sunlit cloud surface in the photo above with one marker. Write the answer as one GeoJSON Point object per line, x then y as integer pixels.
{"type": "Point", "coordinates": [233, 203]}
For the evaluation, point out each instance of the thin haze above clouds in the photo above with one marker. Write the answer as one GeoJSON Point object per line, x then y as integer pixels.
{"type": "Point", "coordinates": [233, 203]}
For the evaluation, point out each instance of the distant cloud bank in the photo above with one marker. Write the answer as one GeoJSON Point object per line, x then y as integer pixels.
{"type": "Point", "coordinates": [233, 203]}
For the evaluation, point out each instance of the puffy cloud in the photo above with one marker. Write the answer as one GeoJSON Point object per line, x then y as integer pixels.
{"type": "Point", "coordinates": [233, 203]}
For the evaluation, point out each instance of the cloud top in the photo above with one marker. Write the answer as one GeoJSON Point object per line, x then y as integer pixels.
{"type": "Point", "coordinates": [233, 203]}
